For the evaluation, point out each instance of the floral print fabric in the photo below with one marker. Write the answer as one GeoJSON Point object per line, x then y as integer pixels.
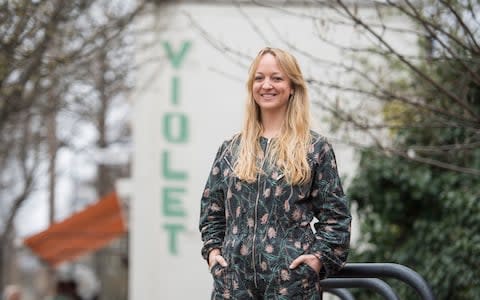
{"type": "Point", "coordinates": [262, 227]}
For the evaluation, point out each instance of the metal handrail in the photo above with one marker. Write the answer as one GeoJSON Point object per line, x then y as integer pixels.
{"type": "Point", "coordinates": [397, 271]}
{"type": "Point", "coordinates": [343, 294]}
{"type": "Point", "coordinates": [374, 284]}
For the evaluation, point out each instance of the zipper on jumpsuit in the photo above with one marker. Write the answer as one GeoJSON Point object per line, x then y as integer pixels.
{"type": "Point", "coordinates": [256, 217]}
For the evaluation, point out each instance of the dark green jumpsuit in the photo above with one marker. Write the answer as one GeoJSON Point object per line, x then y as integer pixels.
{"type": "Point", "coordinates": [262, 227]}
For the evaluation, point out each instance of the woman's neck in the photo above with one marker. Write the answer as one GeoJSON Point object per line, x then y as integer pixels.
{"type": "Point", "coordinates": [272, 124]}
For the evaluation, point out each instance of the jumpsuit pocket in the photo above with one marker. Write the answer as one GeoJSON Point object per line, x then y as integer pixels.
{"type": "Point", "coordinates": [300, 283]}
{"type": "Point", "coordinates": [309, 270]}
{"type": "Point", "coordinates": [217, 270]}
{"type": "Point", "coordinates": [220, 289]}
{"type": "Point", "coordinates": [227, 284]}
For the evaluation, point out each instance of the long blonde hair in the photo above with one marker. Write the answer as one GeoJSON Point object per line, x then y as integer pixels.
{"type": "Point", "coordinates": [289, 150]}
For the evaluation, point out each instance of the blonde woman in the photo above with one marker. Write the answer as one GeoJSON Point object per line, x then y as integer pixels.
{"type": "Point", "coordinates": [266, 186]}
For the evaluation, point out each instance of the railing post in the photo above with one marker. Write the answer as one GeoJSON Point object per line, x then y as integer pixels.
{"type": "Point", "coordinates": [397, 271]}
{"type": "Point", "coordinates": [374, 284]}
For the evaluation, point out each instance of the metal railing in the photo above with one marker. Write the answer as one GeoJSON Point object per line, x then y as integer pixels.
{"type": "Point", "coordinates": [366, 275]}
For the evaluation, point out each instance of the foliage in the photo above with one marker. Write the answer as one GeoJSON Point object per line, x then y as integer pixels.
{"type": "Point", "coordinates": [422, 215]}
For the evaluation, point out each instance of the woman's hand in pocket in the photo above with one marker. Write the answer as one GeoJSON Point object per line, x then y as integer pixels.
{"type": "Point", "coordinates": [311, 260]}
{"type": "Point", "coordinates": [215, 257]}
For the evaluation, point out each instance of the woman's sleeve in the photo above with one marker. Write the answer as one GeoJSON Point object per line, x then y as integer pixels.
{"type": "Point", "coordinates": [212, 208]}
{"type": "Point", "coordinates": [332, 210]}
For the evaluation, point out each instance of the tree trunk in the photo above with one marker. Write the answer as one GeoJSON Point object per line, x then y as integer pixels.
{"type": "Point", "coordinates": [2, 264]}
{"type": "Point", "coordinates": [52, 149]}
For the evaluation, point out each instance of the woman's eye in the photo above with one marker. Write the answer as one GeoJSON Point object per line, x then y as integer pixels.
{"type": "Point", "coordinates": [258, 78]}
{"type": "Point", "coordinates": [277, 78]}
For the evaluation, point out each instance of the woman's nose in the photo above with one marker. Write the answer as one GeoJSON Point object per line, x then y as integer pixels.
{"type": "Point", "coordinates": [266, 84]}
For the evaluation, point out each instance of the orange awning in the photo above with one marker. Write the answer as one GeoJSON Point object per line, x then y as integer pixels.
{"type": "Point", "coordinates": [83, 232]}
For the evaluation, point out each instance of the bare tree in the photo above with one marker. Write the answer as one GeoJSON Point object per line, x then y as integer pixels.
{"type": "Point", "coordinates": [446, 31]}
{"type": "Point", "coordinates": [43, 46]}
{"type": "Point", "coordinates": [109, 70]}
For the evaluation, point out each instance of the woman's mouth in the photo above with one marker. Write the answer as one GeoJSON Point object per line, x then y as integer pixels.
{"type": "Point", "coordinates": [268, 95]}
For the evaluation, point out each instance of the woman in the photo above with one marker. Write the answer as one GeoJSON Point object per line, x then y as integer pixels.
{"type": "Point", "coordinates": [266, 186]}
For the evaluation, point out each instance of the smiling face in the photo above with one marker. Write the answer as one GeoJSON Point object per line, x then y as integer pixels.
{"type": "Point", "coordinates": [271, 87]}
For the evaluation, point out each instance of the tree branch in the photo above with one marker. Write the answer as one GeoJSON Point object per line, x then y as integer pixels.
{"type": "Point", "coordinates": [417, 71]}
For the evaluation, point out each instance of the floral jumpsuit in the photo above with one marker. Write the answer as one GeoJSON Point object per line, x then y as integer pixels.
{"type": "Point", "coordinates": [261, 227]}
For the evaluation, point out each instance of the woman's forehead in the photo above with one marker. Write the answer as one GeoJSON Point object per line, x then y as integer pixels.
{"type": "Point", "coordinates": [269, 63]}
